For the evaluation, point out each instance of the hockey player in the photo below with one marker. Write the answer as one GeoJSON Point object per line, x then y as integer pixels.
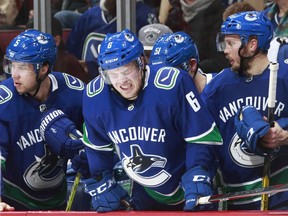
{"type": "Point", "coordinates": [151, 116]}
{"type": "Point", "coordinates": [37, 135]}
{"type": "Point", "coordinates": [179, 50]}
{"type": "Point", "coordinates": [245, 38]}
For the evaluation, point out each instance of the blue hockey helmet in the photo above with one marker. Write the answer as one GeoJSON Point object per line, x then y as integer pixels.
{"type": "Point", "coordinates": [33, 47]}
{"type": "Point", "coordinates": [174, 50]}
{"type": "Point", "coordinates": [119, 49]}
{"type": "Point", "coordinates": [246, 24]}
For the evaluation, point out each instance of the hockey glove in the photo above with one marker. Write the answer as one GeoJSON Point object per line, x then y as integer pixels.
{"type": "Point", "coordinates": [196, 183]}
{"type": "Point", "coordinates": [106, 194]}
{"type": "Point", "coordinates": [251, 127]}
{"type": "Point", "coordinates": [80, 164]}
{"type": "Point", "coordinates": [61, 134]}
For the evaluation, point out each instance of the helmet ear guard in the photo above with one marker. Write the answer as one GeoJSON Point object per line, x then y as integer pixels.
{"type": "Point", "coordinates": [140, 62]}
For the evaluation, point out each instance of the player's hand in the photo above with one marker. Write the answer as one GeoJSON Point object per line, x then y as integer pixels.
{"type": "Point", "coordinates": [196, 183]}
{"type": "Point", "coordinates": [80, 164]}
{"type": "Point", "coordinates": [60, 133]}
{"type": "Point", "coordinates": [106, 194]}
{"type": "Point", "coordinates": [277, 135]}
{"type": "Point", "coordinates": [5, 207]}
{"type": "Point", "coordinates": [250, 127]}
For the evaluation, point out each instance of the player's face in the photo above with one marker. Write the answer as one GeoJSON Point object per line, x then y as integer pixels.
{"type": "Point", "coordinates": [232, 45]}
{"type": "Point", "coordinates": [127, 80]}
{"type": "Point", "coordinates": [24, 77]}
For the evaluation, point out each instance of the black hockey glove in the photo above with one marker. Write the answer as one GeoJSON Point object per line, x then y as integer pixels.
{"type": "Point", "coordinates": [61, 134]}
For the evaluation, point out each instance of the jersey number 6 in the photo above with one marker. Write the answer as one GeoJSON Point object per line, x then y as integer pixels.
{"type": "Point", "coordinates": [192, 100]}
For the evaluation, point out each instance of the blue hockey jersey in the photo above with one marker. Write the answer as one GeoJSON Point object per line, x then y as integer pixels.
{"type": "Point", "coordinates": [33, 176]}
{"type": "Point", "coordinates": [241, 169]}
{"type": "Point", "coordinates": [156, 136]}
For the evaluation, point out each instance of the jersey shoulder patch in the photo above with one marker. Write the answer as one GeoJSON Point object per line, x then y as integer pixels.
{"type": "Point", "coordinates": [90, 47]}
{"type": "Point", "coordinates": [166, 77]}
{"type": "Point", "coordinates": [73, 82]}
{"type": "Point", "coordinates": [95, 87]}
{"type": "Point", "coordinates": [5, 94]}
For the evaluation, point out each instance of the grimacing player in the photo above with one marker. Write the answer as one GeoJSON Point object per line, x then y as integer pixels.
{"type": "Point", "coordinates": [153, 117]}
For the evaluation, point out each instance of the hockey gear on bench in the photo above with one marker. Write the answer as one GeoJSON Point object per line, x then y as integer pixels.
{"type": "Point", "coordinates": [106, 194]}
{"type": "Point", "coordinates": [251, 127]}
{"type": "Point", "coordinates": [60, 133]}
{"type": "Point", "coordinates": [196, 183]}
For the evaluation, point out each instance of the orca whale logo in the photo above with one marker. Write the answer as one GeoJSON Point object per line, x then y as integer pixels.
{"type": "Point", "coordinates": [241, 155]}
{"type": "Point", "coordinates": [140, 163]}
{"type": "Point", "coordinates": [46, 172]}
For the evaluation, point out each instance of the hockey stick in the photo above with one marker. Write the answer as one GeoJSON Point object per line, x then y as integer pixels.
{"type": "Point", "coordinates": [73, 191]}
{"type": "Point", "coordinates": [271, 106]}
{"type": "Point", "coordinates": [242, 194]}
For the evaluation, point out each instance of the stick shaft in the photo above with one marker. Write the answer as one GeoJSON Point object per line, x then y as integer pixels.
{"type": "Point", "coordinates": [73, 191]}
{"type": "Point", "coordinates": [243, 194]}
{"type": "Point", "coordinates": [271, 105]}
{"type": "Point", "coordinates": [265, 183]}
{"type": "Point", "coordinates": [274, 66]}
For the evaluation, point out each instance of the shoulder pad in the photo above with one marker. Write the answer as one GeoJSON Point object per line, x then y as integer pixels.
{"type": "Point", "coordinates": [166, 77]}
{"type": "Point", "coordinates": [5, 94]}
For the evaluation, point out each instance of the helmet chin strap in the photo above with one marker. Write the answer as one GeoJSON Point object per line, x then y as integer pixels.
{"type": "Point", "coordinates": [39, 81]}
{"type": "Point", "coordinates": [242, 69]}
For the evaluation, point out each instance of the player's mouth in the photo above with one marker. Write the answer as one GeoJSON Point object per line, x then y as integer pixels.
{"type": "Point", "coordinates": [126, 87]}
{"type": "Point", "coordinates": [17, 84]}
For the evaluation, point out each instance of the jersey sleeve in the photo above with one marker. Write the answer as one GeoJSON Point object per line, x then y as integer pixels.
{"type": "Point", "coordinates": [193, 118]}
{"type": "Point", "coordinates": [99, 148]}
{"type": "Point", "coordinates": [202, 155]}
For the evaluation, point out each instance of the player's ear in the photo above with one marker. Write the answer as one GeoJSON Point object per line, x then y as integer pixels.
{"type": "Point", "coordinates": [193, 65]}
{"type": "Point", "coordinates": [253, 44]}
{"type": "Point", "coordinates": [44, 68]}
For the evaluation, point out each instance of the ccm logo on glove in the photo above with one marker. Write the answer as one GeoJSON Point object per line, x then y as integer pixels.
{"type": "Point", "coordinates": [102, 188]}
{"type": "Point", "coordinates": [200, 178]}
